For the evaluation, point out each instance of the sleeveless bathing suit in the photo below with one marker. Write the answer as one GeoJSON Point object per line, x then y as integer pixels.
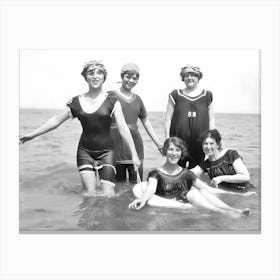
{"type": "Point", "coordinates": [95, 146]}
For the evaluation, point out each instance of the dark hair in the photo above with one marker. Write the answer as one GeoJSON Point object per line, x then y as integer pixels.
{"type": "Point", "coordinates": [178, 142]}
{"type": "Point", "coordinates": [212, 133]}
{"type": "Point", "coordinates": [130, 72]}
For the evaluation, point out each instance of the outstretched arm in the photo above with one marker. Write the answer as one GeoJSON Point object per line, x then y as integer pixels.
{"type": "Point", "coordinates": [168, 116]}
{"type": "Point", "coordinates": [149, 129]}
{"type": "Point", "coordinates": [150, 190]}
{"type": "Point", "coordinates": [125, 133]}
{"type": "Point", "coordinates": [49, 125]}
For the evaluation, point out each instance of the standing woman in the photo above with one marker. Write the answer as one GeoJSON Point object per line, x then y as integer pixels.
{"type": "Point", "coordinates": [133, 109]}
{"type": "Point", "coordinates": [94, 109]}
{"type": "Point", "coordinates": [189, 113]}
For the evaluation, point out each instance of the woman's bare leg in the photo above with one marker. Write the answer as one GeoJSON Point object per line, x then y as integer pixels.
{"type": "Point", "coordinates": [107, 187]}
{"type": "Point", "coordinates": [89, 182]}
{"type": "Point", "coordinates": [197, 199]}
{"type": "Point", "coordinates": [220, 204]}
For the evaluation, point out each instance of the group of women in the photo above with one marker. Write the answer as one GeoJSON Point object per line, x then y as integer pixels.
{"type": "Point", "coordinates": [111, 146]}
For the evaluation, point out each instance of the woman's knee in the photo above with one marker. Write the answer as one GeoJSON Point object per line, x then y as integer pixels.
{"type": "Point", "coordinates": [192, 194]}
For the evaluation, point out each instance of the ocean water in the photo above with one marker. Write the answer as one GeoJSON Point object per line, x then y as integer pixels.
{"type": "Point", "coordinates": [51, 197]}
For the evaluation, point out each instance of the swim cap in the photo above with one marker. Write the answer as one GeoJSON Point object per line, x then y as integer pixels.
{"type": "Point", "coordinates": [94, 64]}
{"type": "Point", "coordinates": [190, 69]}
{"type": "Point", "coordinates": [131, 67]}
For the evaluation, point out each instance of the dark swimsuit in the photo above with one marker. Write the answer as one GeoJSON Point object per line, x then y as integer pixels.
{"type": "Point", "coordinates": [189, 120]}
{"type": "Point", "coordinates": [224, 166]}
{"type": "Point", "coordinates": [96, 146]}
{"type": "Point", "coordinates": [132, 110]}
{"type": "Point", "coordinates": [173, 186]}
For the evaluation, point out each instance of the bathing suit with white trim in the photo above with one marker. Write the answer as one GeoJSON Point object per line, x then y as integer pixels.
{"type": "Point", "coordinates": [189, 120]}
{"type": "Point", "coordinates": [224, 166]}
{"type": "Point", "coordinates": [173, 186]}
{"type": "Point", "coordinates": [95, 147]}
{"type": "Point", "coordinates": [133, 109]}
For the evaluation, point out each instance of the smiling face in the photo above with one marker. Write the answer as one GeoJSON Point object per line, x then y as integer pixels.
{"type": "Point", "coordinates": [129, 80]}
{"type": "Point", "coordinates": [95, 77]}
{"type": "Point", "coordinates": [210, 147]}
{"type": "Point", "coordinates": [191, 79]}
{"type": "Point", "coordinates": [173, 154]}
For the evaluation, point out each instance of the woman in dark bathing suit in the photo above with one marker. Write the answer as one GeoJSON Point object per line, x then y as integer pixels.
{"type": "Point", "coordinates": [94, 109]}
{"type": "Point", "coordinates": [225, 167]}
{"type": "Point", "coordinates": [173, 186]}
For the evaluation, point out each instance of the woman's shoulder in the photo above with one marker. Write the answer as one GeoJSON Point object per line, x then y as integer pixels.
{"type": "Point", "coordinates": [207, 91]}
{"type": "Point", "coordinates": [111, 96]}
{"type": "Point", "coordinates": [231, 154]}
{"type": "Point", "coordinates": [174, 92]}
{"type": "Point", "coordinates": [138, 97]}
{"type": "Point", "coordinates": [153, 173]}
{"type": "Point", "coordinates": [111, 92]}
{"type": "Point", "coordinates": [73, 100]}
{"type": "Point", "coordinates": [188, 173]}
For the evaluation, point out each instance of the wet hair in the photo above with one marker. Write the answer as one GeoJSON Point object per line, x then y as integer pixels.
{"type": "Point", "coordinates": [212, 133]}
{"type": "Point", "coordinates": [178, 142]}
{"type": "Point", "coordinates": [97, 64]}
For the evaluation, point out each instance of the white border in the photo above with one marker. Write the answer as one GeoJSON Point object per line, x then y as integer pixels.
{"type": "Point", "coordinates": [153, 25]}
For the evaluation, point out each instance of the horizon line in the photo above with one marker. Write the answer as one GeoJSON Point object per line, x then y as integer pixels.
{"type": "Point", "coordinates": [151, 111]}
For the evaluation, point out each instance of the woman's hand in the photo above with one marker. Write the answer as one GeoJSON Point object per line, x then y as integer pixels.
{"type": "Point", "coordinates": [216, 181]}
{"type": "Point", "coordinates": [137, 204]}
{"type": "Point", "coordinates": [160, 148]}
{"type": "Point", "coordinates": [69, 101]}
{"type": "Point", "coordinates": [23, 139]}
{"type": "Point", "coordinates": [136, 162]}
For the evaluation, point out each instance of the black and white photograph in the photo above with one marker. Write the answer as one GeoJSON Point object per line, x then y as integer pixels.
{"type": "Point", "coordinates": [139, 140]}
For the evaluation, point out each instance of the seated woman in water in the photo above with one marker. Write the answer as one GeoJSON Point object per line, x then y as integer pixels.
{"type": "Point", "coordinates": [95, 110]}
{"type": "Point", "coordinates": [173, 186]}
{"type": "Point", "coordinates": [225, 167]}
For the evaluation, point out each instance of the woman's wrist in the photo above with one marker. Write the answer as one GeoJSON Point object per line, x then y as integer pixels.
{"type": "Point", "coordinates": [159, 146]}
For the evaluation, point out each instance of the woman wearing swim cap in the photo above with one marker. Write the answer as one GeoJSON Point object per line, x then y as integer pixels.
{"type": "Point", "coordinates": [133, 109]}
{"type": "Point", "coordinates": [95, 110]}
{"type": "Point", "coordinates": [190, 113]}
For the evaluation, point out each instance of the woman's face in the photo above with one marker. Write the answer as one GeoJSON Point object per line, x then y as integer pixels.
{"type": "Point", "coordinates": [129, 81]}
{"type": "Point", "coordinates": [173, 154]}
{"type": "Point", "coordinates": [191, 80]}
{"type": "Point", "coordinates": [95, 77]}
{"type": "Point", "coordinates": [210, 147]}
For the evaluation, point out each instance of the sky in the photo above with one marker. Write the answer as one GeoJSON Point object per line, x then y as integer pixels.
{"type": "Point", "coordinates": [48, 78]}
